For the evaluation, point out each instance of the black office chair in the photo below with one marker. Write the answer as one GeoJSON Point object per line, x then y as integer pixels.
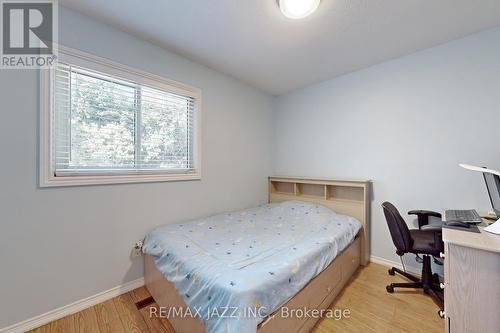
{"type": "Point", "coordinates": [423, 220]}
{"type": "Point", "coordinates": [427, 240]}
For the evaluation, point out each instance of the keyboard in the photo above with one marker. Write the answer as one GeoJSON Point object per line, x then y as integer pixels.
{"type": "Point", "coordinates": [469, 216]}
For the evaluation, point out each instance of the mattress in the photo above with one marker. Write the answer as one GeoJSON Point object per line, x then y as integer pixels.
{"type": "Point", "coordinates": [235, 269]}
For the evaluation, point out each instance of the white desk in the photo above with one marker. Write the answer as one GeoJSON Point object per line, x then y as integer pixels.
{"type": "Point", "coordinates": [472, 281]}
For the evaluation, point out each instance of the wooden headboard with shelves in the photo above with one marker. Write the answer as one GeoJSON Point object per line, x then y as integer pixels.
{"type": "Point", "coordinates": [348, 197]}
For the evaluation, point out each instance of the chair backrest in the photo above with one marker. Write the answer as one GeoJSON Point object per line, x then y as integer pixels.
{"type": "Point", "coordinates": [400, 233]}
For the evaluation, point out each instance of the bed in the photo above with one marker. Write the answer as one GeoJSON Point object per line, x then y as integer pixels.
{"type": "Point", "coordinates": [239, 271]}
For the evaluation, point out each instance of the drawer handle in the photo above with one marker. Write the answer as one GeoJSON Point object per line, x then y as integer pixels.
{"type": "Point", "coordinates": [442, 285]}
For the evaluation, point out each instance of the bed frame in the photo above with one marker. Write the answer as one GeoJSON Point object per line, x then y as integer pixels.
{"type": "Point", "coordinates": [349, 197]}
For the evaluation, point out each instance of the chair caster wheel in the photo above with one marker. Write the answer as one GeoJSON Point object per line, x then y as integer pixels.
{"type": "Point", "coordinates": [390, 289]}
{"type": "Point", "coordinates": [391, 272]}
{"type": "Point", "coordinates": [441, 314]}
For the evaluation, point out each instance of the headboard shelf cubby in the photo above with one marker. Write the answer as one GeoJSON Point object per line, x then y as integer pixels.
{"type": "Point", "coordinates": [310, 190]}
{"type": "Point", "coordinates": [278, 187]}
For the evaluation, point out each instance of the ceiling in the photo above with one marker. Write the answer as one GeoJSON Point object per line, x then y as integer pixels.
{"type": "Point", "coordinates": [252, 41]}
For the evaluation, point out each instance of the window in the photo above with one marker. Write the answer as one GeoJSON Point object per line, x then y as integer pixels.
{"type": "Point", "coordinates": [105, 123]}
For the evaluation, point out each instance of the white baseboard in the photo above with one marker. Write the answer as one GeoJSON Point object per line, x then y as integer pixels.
{"type": "Point", "coordinates": [390, 263]}
{"type": "Point", "coordinates": [72, 308]}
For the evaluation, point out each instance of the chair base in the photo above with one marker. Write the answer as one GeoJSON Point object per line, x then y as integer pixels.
{"type": "Point", "coordinates": [428, 282]}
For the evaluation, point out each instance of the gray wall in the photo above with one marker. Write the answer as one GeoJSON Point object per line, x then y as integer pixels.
{"type": "Point", "coordinates": [405, 124]}
{"type": "Point", "coordinates": [62, 245]}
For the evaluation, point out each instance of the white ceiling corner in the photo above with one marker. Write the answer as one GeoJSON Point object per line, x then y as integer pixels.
{"type": "Point", "coordinates": [252, 41]}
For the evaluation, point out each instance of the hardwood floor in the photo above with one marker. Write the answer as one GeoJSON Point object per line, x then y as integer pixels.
{"type": "Point", "coordinates": [372, 309]}
{"type": "Point", "coordinates": [375, 310]}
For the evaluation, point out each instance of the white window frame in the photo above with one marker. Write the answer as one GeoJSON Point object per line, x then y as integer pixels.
{"type": "Point", "coordinates": [47, 174]}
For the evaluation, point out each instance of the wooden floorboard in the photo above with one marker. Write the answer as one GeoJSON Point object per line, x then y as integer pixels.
{"type": "Point", "coordinates": [131, 318]}
{"type": "Point", "coordinates": [86, 321]}
{"type": "Point", "coordinates": [371, 308]}
{"type": "Point", "coordinates": [108, 318]}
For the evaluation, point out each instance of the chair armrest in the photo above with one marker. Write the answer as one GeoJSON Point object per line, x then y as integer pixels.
{"type": "Point", "coordinates": [424, 213]}
{"type": "Point", "coordinates": [432, 227]}
{"type": "Point", "coordinates": [423, 216]}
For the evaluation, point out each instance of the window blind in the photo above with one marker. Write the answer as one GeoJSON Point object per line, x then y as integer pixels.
{"type": "Point", "coordinates": [105, 124]}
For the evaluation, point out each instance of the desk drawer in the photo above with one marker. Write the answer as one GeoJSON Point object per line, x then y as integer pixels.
{"type": "Point", "coordinates": [447, 290]}
{"type": "Point", "coordinates": [472, 296]}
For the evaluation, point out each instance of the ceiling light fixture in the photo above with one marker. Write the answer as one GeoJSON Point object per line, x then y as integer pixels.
{"type": "Point", "coordinates": [297, 9]}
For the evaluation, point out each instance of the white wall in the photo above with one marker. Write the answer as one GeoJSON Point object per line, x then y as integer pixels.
{"type": "Point", "coordinates": [61, 245]}
{"type": "Point", "coordinates": [405, 124]}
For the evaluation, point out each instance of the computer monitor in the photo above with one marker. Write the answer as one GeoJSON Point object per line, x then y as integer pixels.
{"type": "Point", "coordinates": [493, 186]}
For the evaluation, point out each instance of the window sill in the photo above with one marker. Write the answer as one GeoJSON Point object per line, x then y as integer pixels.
{"type": "Point", "coordinates": [61, 181]}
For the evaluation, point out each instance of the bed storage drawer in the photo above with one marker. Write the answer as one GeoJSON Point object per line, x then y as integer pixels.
{"type": "Point", "coordinates": [317, 294]}
{"type": "Point", "coordinates": [310, 297]}
{"type": "Point", "coordinates": [350, 260]}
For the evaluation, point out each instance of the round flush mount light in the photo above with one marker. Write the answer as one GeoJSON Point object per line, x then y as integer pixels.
{"type": "Point", "coordinates": [297, 9]}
